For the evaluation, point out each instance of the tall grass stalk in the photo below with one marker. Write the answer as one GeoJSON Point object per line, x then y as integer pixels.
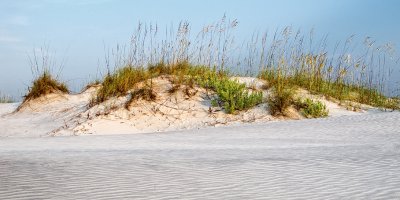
{"type": "Point", "coordinates": [45, 82]}
{"type": "Point", "coordinates": [6, 98]}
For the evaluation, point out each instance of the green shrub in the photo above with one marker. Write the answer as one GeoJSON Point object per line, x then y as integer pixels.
{"type": "Point", "coordinates": [233, 95]}
{"type": "Point", "coordinates": [312, 109]}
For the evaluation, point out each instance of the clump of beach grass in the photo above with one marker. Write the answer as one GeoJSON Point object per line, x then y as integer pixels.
{"type": "Point", "coordinates": [43, 85]}
{"type": "Point", "coordinates": [145, 93]}
{"type": "Point", "coordinates": [45, 82]}
{"type": "Point", "coordinates": [6, 98]}
{"type": "Point", "coordinates": [280, 100]}
{"type": "Point", "coordinates": [341, 76]}
{"type": "Point", "coordinates": [119, 83]}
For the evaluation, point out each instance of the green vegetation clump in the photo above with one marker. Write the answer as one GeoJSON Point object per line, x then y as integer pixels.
{"type": "Point", "coordinates": [43, 85]}
{"type": "Point", "coordinates": [119, 83]}
{"type": "Point", "coordinates": [231, 95]}
{"type": "Point", "coordinates": [312, 109]}
{"type": "Point", "coordinates": [6, 99]}
{"type": "Point", "coordinates": [280, 100]}
{"type": "Point", "coordinates": [234, 96]}
{"type": "Point", "coordinates": [314, 75]}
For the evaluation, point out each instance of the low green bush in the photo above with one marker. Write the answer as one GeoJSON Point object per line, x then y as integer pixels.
{"type": "Point", "coordinates": [231, 94]}
{"type": "Point", "coordinates": [234, 95]}
{"type": "Point", "coordinates": [312, 109]}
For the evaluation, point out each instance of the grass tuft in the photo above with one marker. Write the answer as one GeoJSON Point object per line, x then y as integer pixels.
{"type": "Point", "coordinates": [146, 94]}
{"type": "Point", "coordinates": [280, 100]}
{"type": "Point", "coordinates": [43, 85]}
{"type": "Point", "coordinates": [119, 83]}
{"type": "Point", "coordinates": [6, 99]}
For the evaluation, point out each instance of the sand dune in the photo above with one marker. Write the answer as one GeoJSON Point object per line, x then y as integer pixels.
{"type": "Point", "coordinates": [347, 157]}
{"type": "Point", "coordinates": [64, 114]}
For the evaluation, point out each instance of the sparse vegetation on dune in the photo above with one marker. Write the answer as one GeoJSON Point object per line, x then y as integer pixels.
{"type": "Point", "coordinates": [340, 76]}
{"type": "Point", "coordinates": [231, 95]}
{"type": "Point", "coordinates": [337, 89]}
{"type": "Point", "coordinates": [311, 108]}
{"type": "Point", "coordinates": [145, 93]}
{"type": "Point", "coordinates": [45, 82]}
{"type": "Point", "coordinates": [280, 99]}
{"type": "Point", "coordinates": [234, 96]}
{"type": "Point", "coordinates": [6, 98]}
{"type": "Point", "coordinates": [43, 85]}
{"type": "Point", "coordinates": [286, 62]}
{"type": "Point", "coordinates": [119, 83]}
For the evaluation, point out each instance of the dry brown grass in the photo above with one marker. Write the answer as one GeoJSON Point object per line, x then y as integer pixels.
{"type": "Point", "coordinates": [45, 84]}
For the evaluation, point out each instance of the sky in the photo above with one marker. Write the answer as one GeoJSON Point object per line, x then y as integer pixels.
{"type": "Point", "coordinates": [77, 31]}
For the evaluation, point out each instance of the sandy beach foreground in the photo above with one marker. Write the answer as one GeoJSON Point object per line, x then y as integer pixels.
{"type": "Point", "coordinates": [346, 157]}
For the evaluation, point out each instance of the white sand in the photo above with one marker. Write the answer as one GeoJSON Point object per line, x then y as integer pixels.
{"type": "Point", "coordinates": [350, 155]}
{"type": "Point", "coordinates": [346, 157]}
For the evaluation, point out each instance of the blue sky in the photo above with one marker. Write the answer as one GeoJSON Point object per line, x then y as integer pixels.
{"type": "Point", "coordinates": [77, 30]}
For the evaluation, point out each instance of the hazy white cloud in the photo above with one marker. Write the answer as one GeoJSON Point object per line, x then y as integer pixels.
{"type": "Point", "coordinates": [14, 20]}
{"type": "Point", "coordinates": [76, 2]}
{"type": "Point", "coordinates": [9, 39]}
{"type": "Point", "coordinates": [18, 20]}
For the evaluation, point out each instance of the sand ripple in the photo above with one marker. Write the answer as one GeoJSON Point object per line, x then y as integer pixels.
{"type": "Point", "coordinates": [355, 157]}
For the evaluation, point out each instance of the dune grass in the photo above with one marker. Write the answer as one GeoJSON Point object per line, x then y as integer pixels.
{"type": "Point", "coordinates": [145, 93]}
{"type": "Point", "coordinates": [208, 59]}
{"type": "Point", "coordinates": [44, 82]}
{"type": "Point", "coordinates": [344, 76]}
{"type": "Point", "coordinates": [119, 83]}
{"type": "Point", "coordinates": [43, 85]}
{"type": "Point", "coordinates": [337, 89]}
{"type": "Point", "coordinates": [280, 101]}
{"type": "Point", "coordinates": [231, 95]}
{"type": "Point", "coordinates": [288, 60]}
{"type": "Point", "coordinates": [6, 98]}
